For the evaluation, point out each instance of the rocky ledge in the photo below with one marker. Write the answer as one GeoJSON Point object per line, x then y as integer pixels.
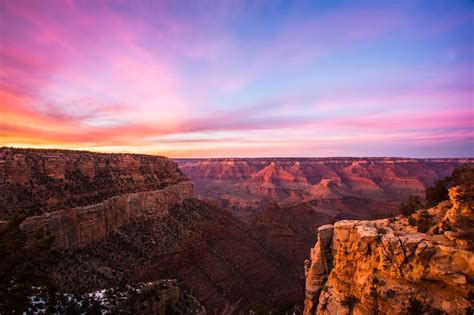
{"type": "Point", "coordinates": [78, 227]}
{"type": "Point", "coordinates": [388, 267]}
{"type": "Point", "coordinates": [81, 197]}
{"type": "Point", "coordinates": [40, 181]}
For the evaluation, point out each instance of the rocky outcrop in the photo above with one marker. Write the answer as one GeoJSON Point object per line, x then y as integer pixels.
{"type": "Point", "coordinates": [343, 184]}
{"type": "Point", "coordinates": [387, 267]}
{"type": "Point", "coordinates": [77, 227]}
{"type": "Point", "coordinates": [165, 296]}
{"type": "Point", "coordinates": [81, 197]}
{"type": "Point", "coordinates": [317, 269]}
{"type": "Point", "coordinates": [35, 182]}
{"type": "Point", "coordinates": [220, 260]}
{"type": "Point", "coordinates": [161, 297]}
{"type": "Point", "coordinates": [127, 219]}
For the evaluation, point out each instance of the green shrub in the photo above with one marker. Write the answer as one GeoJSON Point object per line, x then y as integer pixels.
{"type": "Point", "coordinates": [415, 307]}
{"type": "Point", "coordinates": [446, 226]}
{"type": "Point", "coordinates": [391, 293]}
{"type": "Point", "coordinates": [438, 192]}
{"type": "Point", "coordinates": [413, 204]}
{"type": "Point", "coordinates": [381, 230]}
{"type": "Point", "coordinates": [412, 221]}
{"type": "Point", "coordinates": [423, 225]}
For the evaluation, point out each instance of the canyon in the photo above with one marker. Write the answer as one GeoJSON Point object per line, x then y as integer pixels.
{"type": "Point", "coordinates": [345, 188]}
{"type": "Point", "coordinates": [224, 235]}
{"type": "Point", "coordinates": [82, 197]}
{"type": "Point", "coordinates": [287, 199]}
{"type": "Point", "coordinates": [120, 219]}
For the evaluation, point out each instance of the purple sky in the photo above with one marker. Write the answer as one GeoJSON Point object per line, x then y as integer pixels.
{"type": "Point", "coordinates": [239, 78]}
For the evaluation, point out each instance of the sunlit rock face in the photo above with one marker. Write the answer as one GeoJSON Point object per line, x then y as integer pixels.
{"type": "Point", "coordinates": [347, 187]}
{"type": "Point", "coordinates": [387, 267]}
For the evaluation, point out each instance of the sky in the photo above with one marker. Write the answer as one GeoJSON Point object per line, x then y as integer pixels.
{"type": "Point", "coordinates": [239, 78]}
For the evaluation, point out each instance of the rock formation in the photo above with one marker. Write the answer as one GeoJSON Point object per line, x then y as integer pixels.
{"type": "Point", "coordinates": [81, 197]}
{"type": "Point", "coordinates": [120, 219]}
{"type": "Point", "coordinates": [221, 260]}
{"type": "Point", "coordinates": [161, 297]}
{"type": "Point", "coordinates": [79, 226]}
{"type": "Point", "coordinates": [35, 182]}
{"type": "Point", "coordinates": [388, 267]}
{"type": "Point", "coordinates": [157, 297]}
{"type": "Point", "coordinates": [348, 187]}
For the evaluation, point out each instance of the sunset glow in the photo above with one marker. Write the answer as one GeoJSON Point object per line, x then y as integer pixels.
{"type": "Point", "coordinates": [238, 78]}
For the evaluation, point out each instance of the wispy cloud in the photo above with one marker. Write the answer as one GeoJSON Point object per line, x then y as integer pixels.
{"type": "Point", "coordinates": [241, 78]}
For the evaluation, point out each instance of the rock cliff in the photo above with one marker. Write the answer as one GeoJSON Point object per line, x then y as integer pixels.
{"type": "Point", "coordinates": [81, 197]}
{"type": "Point", "coordinates": [122, 219]}
{"type": "Point", "coordinates": [79, 226]}
{"type": "Point", "coordinates": [222, 261]}
{"type": "Point", "coordinates": [352, 188]}
{"type": "Point", "coordinates": [40, 181]}
{"type": "Point", "coordinates": [388, 267]}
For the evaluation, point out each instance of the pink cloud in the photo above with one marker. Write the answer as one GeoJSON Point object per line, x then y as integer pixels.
{"type": "Point", "coordinates": [95, 74]}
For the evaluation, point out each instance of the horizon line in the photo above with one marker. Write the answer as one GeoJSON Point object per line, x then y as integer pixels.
{"type": "Point", "coordinates": [238, 157]}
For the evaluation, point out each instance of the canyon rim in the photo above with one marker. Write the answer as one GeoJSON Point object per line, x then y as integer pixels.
{"type": "Point", "coordinates": [254, 157]}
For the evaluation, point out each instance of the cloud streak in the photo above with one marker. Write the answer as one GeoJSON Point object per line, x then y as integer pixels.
{"type": "Point", "coordinates": [263, 78]}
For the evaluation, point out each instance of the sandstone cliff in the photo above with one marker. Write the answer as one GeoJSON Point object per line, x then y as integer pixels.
{"type": "Point", "coordinates": [40, 181]}
{"type": "Point", "coordinates": [352, 188]}
{"type": "Point", "coordinates": [81, 197]}
{"type": "Point", "coordinates": [221, 260]}
{"type": "Point", "coordinates": [387, 267]}
{"type": "Point", "coordinates": [127, 219]}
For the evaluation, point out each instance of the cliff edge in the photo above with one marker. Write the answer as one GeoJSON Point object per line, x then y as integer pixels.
{"type": "Point", "coordinates": [81, 197]}
{"type": "Point", "coordinates": [389, 267]}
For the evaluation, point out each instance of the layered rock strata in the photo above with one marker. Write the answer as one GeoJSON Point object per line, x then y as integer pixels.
{"type": "Point", "coordinates": [387, 267]}
{"type": "Point", "coordinates": [352, 188]}
{"type": "Point", "coordinates": [222, 261]}
{"type": "Point", "coordinates": [81, 197]}
{"type": "Point", "coordinates": [77, 227]}
{"type": "Point", "coordinates": [35, 182]}
{"type": "Point", "coordinates": [129, 219]}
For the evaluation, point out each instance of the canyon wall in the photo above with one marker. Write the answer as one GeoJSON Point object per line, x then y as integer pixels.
{"type": "Point", "coordinates": [40, 181]}
{"type": "Point", "coordinates": [77, 227]}
{"type": "Point", "coordinates": [388, 267]}
{"type": "Point", "coordinates": [122, 219]}
{"type": "Point", "coordinates": [343, 187]}
{"type": "Point", "coordinates": [222, 261]}
{"type": "Point", "coordinates": [81, 197]}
